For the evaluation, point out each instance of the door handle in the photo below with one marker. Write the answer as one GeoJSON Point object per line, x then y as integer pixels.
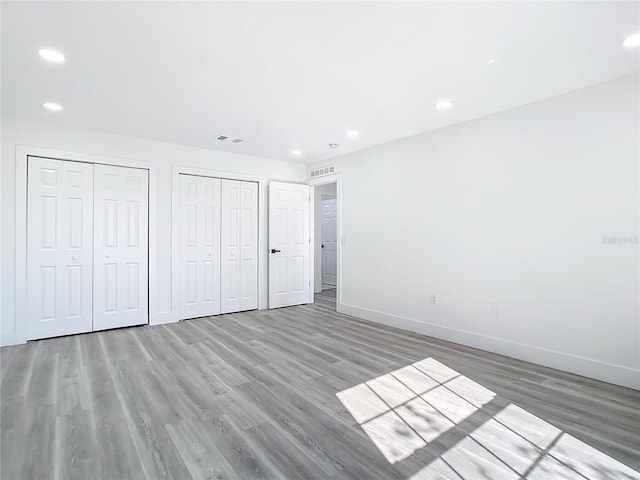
{"type": "Point", "coordinates": [322, 246]}
{"type": "Point", "coordinates": [107, 255]}
{"type": "Point", "coordinates": [273, 250]}
{"type": "Point", "coordinates": [74, 258]}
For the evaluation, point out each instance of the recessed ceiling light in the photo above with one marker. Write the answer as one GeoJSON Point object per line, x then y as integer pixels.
{"type": "Point", "coordinates": [51, 55]}
{"type": "Point", "coordinates": [56, 107]}
{"type": "Point", "coordinates": [632, 40]}
{"type": "Point", "coordinates": [333, 145]}
{"type": "Point", "coordinates": [353, 133]}
{"type": "Point", "coordinates": [296, 153]}
{"type": "Point", "coordinates": [492, 61]}
{"type": "Point", "coordinates": [444, 105]}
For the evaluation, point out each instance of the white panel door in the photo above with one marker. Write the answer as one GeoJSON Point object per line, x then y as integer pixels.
{"type": "Point", "coordinates": [329, 243]}
{"type": "Point", "coordinates": [288, 244]}
{"type": "Point", "coordinates": [198, 225]}
{"type": "Point", "coordinates": [249, 246]}
{"type": "Point", "coordinates": [239, 259]}
{"type": "Point", "coordinates": [231, 250]}
{"type": "Point", "coordinates": [59, 246]}
{"type": "Point", "coordinates": [121, 246]}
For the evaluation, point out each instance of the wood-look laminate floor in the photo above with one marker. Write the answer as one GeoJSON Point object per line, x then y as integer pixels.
{"type": "Point", "coordinates": [301, 393]}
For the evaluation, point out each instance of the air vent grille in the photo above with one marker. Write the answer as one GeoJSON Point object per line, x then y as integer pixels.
{"type": "Point", "coordinates": [222, 138]}
{"type": "Point", "coordinates": [321, 171]}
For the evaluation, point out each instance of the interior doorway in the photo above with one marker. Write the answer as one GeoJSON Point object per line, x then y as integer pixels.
{"type": "Point", "coordinates": [329, 244]}
{"type": "Point", "coordinates": [325, 241]}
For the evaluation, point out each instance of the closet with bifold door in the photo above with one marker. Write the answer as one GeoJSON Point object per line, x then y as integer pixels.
{"type": "Point", "coordinates": [217, 228]}
{"type": "Point", "coordinates": [87, 247]}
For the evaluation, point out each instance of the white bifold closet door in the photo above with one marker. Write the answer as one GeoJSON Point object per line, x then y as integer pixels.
{"type": "Point", "coordinates": [239, 260]}
{"type": "Point", "coordinates": [59, 247]}
{"type": "Point", "coordinates": [87, 247]}
{"type": "Point", "coordinates": [198, 226]}
{"type": "Point", "coordinates": [120, 263]}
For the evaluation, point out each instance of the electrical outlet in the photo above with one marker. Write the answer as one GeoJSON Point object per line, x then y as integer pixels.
{"type": "Point", "coordinates": [434, 299]}
{"type": "Point", "coordinates": [494, 308]}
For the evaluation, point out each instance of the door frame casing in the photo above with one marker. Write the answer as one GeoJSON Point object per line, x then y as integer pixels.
{"type": "Point", "coordinates": [23, 152]}
{"type": "Point", "coordinates": [176, 171]}
{"type": "Point", "coordinates": [337, 179]}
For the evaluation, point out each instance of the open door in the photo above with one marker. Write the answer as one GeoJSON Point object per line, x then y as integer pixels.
{"type": "Point", "coordinates": [329, 246]}
{"type": "Point", "coordinates": [289, 244]}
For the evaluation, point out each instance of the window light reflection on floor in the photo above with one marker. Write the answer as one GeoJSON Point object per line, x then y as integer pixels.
{"type": "Point", "coordinates": [404, 410]}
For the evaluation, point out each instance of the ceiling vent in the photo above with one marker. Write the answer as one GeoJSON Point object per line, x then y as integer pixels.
{"type": "Point", "coordinates": [319, 172]}
{"type": "Point", "coordinates": [222, 138]}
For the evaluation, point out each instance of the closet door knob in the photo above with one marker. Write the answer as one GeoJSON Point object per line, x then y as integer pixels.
{"type": "Point", "coordinates": [74, 258]}
{"type": "Point", "coordinates": [107, 255]}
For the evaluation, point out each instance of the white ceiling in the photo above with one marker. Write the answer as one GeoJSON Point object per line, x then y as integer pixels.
{"type": "Point", "coordinates": [286, 76]}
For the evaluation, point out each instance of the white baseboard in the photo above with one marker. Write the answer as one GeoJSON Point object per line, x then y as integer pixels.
{"type": "Point", "coordinates": [11, 338]}
{"type": "Point", "coordinates": [162, 318]}
{"type": "Point", "coordinates": [17, 338]}
{"type": "Point", "coordinates": [588, 367]}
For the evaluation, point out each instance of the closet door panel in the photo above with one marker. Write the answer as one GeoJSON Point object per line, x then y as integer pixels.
{"type": "Point", "coordinates": [59, 247]}
{"type": "Point", "coordinates": [231, 252]}
{"type": "Point", "coordinates": [198, 226]}
{"type": "Point", "coordinates": [121, 240]}
{"type": "Point", "coordinates": [249, 246]}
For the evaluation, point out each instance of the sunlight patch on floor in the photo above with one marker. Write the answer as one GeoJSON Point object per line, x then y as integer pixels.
{"type": "Point", "coordinates": [404, 410]}
{"type": "Point", "coordinates": [516, 444]}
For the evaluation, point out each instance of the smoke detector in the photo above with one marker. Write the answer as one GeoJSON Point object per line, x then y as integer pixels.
{"type": "Point", "coordinates": [333, 145]}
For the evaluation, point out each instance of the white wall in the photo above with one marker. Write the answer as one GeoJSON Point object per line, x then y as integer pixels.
{"type": "Point", "coordinates": [511, 208]}
{"type": "Point", "coordinates": [319, 191]}
{"type": "Point", "coordinates": [47, 135]}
